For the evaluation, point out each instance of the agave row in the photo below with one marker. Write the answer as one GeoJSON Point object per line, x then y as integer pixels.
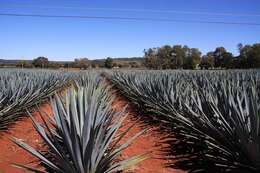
{"type": "Point", "coordinates": [213, 115]}
{"type": "Point", "coordinates": [22, 89]}
{"type": "Point", "coordinates": [83, 134]}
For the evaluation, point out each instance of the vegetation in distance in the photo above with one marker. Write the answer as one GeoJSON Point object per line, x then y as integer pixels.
{"type": "Point", "coordinates": [165, 57]}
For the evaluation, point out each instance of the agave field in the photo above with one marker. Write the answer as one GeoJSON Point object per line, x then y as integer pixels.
{"type": "Point", "coordinates": [211, 118]}
{"type": "Point", "coordinates": [21, 90]}
{"type": "Point", "coordinates": [82, 134]}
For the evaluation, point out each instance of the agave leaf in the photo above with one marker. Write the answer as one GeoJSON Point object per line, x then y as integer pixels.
{"type": "Point", "coordinates": [36, 154]}
{"type": "Point", "coordinates": [84, 131]}
{"type": "Point", "coordinates": [28, 168]}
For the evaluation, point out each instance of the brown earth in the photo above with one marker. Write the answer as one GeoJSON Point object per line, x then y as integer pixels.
{"type": "Point", "coordinates": [149, 142]}
{"type": "Point", "coordinates": [11, 153]}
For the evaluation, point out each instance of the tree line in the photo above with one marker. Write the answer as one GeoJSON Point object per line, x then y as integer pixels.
{"type": "Point", "coordinates": [81, 63]}
{"type": "Point", "coordinates": [165, 57]}
{"type": "Point", "coordinates": [183, 57]}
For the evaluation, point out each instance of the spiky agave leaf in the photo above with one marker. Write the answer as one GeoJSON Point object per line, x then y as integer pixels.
{"type": "Point", "coordinates": [213, 115]}
{"type": "Point", "coordinates": [230, 135]}
{"type": "Point", "coordinates": [22, 89]}
{"type": "Point", "coordinates": [87, 127]}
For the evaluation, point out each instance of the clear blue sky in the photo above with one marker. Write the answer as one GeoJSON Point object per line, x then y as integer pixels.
{"type": "Point", "coordinates": [66, 39]}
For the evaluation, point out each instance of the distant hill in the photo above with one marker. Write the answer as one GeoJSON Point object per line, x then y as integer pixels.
{"type": "Point", "coordinates": [129, 59]}
{"type": "Point", "coordinates": [8, 62]}
{"type": "Point", "coordinates": [124, 62]}
{"type": "Point", "coordinates": [14, 62]}
{"type": "Point", "coordinates": [122, 59]}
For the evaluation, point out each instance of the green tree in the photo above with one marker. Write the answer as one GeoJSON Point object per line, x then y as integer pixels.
{"type": "Point", "coordinates": [207, 61]}
{"type": "Point", "coordinates": [151, 58]}
{"type": "Point", "coordinates": [250, 56]}
{"type": "Point", "coordinates": [178, 56]}
{"type": "Point", "coordinates": [222, 58]}
{"type": "Point", "coordinates": [165, 57]}
{"type": "Point", "coordinates": [109, 63]}
{"type": "Point", "coordinates": [41, 62]}
{"type": "Point", "coordinates": [21, 63]}
{"type": "Point", "coordinates": [192, 59]}
{"type": "Point", "coordinates": [227, 61]}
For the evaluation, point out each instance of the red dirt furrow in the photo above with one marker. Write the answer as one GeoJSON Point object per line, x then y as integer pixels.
{"type": "Point", "coordinates": [149, 142]}
{"type": "Point", "coordinates": [11, 153]}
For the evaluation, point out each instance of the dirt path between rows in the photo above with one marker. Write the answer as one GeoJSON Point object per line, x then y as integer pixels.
{"type": "Point", "coordinates": [147, 143]}
{"type": "Point", "coordinates": [11, 153]}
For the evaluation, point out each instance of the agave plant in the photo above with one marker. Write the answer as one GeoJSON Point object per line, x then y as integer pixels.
{"type": "Point", "coordinates": [213, 116]}
{"type": "Point", "coordinates": [21, 90]}
{"type": "Point", "coordinates": [85, 137]}
{"type": "Point", "coordinates": [221, 129]}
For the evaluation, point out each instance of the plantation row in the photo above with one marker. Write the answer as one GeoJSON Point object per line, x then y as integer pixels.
{"type": "Point", "coordinates": [213, 116]}
{"type": "Point", "coordinates": [85, 137]}
{"type": "Point", "coordinates": [21, 90]}
{"type": "Point", "coordinates": [82, 135]}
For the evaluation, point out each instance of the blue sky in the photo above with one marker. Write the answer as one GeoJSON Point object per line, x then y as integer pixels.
{"type": "Point", "coordinates": [67, 39]}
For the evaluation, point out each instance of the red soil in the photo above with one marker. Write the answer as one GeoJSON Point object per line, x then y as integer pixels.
{"type": "Point", "coordinates": [11, 153]}
{"type": "Point", "coordinates": [149, 142]}
{"type": "Point", "coordinates": [146, 143]}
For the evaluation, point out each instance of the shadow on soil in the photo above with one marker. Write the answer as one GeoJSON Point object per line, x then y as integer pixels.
{"type": "Point", "coordinates": [178, 152]}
